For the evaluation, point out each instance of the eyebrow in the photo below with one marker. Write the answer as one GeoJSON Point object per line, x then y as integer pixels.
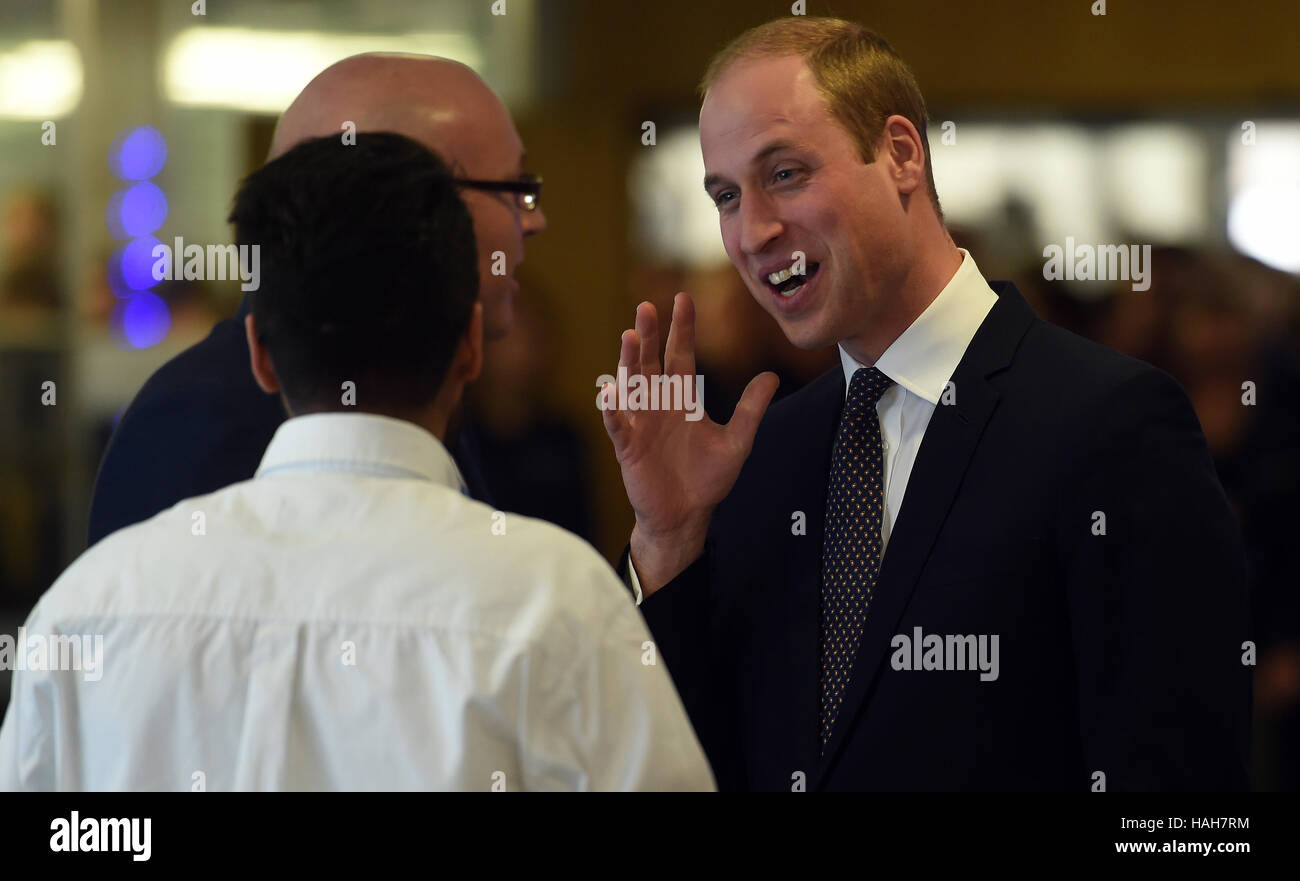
{"type": "Point", "coordinates": [712, 180]}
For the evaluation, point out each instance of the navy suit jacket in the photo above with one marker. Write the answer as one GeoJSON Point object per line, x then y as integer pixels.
{"type": "Point", "coordinates": [198, 424]}
{"type": "Point", "coordinates": [1065, 502]}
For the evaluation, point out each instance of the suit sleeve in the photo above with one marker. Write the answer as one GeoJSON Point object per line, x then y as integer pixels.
{"type": "Point", "coordinates": [1157, 599]}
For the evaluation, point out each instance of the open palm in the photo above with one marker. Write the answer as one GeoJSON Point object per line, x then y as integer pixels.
{"type": "Point", "coordinates": [675, 470]}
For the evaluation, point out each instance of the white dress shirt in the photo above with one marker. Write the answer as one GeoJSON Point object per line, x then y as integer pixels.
{"type": "Point", "coordinates": [347, 619]}
{"type": "Point", "coordinates": [920, 362]}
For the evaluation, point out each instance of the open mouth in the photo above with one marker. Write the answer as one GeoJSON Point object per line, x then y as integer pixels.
{"type": "Point", "coordinates": [787, 283]}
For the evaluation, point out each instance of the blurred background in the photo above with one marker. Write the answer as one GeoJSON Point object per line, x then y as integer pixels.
{"type": "Point", "coordinates": [1174, 123]}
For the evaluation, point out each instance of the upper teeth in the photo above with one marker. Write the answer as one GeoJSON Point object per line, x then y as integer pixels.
{"type": "Point", "coordinates": [782, 276]}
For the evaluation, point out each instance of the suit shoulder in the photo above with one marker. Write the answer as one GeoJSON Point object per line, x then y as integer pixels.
{"type": "Point", "coordinates": [208, 386]}
{"type": "Point", "coordinates": [1071, 381]}
{"type": "Point", "coordinates": [207, 362]}
{"type": "Point", "coordinates": [1078, 363]}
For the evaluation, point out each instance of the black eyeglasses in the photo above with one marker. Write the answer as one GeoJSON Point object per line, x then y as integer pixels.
{"type": "Point", "coordinates": [527, 189]}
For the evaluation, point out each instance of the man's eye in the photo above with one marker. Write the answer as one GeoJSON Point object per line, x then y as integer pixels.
{"type": "Point", "coordinates": [723, 198]}
{"type": "Point", "coordinates": [781, 175]}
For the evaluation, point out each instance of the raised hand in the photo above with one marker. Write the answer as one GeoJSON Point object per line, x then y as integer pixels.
{"type": "Point", "coordinates": [676, 470]}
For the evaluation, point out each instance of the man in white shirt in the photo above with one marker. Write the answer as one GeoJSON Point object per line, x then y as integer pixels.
{"type": "Point", "coordinates": [349, 618]}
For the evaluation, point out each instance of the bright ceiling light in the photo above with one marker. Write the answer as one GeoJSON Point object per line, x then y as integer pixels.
{"type": "Point", "coordinates": [40, 79]}
{"type": "Point", "coordinates": [1264, 193]}
{"type": "Point", "coordinates": [1155, 174]}
{"type": "Point", "coordinates": [676, 221]}
{"type": "Point", "coordinates": [263, 71]}
{"type": "Point", "coordinates": [1264, 222]}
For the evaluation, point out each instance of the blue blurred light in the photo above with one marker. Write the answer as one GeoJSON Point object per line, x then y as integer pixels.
{"type": "Point", "coordinates": [116, 281]}
{"type": "Point", "coordinates": [113, 216]}
{"type": "Point", "coordinates": [137, 263]}
{"type": "Point", "coordinates": [139, 154]}
{"type": "Point", "coordinates": [145, 320]}
{"type": "Point", "coordinates": [143, 209]}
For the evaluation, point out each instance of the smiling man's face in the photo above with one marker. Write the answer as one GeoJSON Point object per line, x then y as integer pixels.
{"type": "Point", "coordinates": [787, 177]}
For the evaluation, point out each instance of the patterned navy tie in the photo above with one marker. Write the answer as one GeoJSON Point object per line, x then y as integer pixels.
{"type": "Point", "coordinates": [855, 501]}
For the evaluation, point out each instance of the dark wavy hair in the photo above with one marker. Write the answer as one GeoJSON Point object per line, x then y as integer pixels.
{"type": "Point", "coordinates": [368, 270]}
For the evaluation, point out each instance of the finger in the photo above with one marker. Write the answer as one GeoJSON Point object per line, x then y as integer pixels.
{"type": "Point", "coordinates": [617, 425]}
{"type": "Point", "coordinates": [647, 326]}
{"type": "Point", "coordinates": [679, 356]}
{"type": "Point", "coordinates": [629, 352]}
{"type": "Point", "coordinates": [749, 412]}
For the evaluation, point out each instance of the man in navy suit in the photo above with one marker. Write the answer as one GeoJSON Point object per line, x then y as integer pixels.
{"type": "Point", "coordinates": [200, 422]}
{"type": "Point", "coordinates": [983, 553]}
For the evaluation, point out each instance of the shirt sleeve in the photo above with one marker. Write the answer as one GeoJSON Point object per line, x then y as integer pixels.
{"type": "Point", "coordinates": [9, 751]}
{"type": "Point", "coordinates": [27, 762]}
{"type": "Point", "coordinates": [615, 721]}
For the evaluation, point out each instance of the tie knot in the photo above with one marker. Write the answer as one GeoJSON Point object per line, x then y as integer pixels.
{"type": "Point", "coordinates": [865, 389]}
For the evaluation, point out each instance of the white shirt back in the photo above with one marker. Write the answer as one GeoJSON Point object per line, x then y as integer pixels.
{"type": "Point", "coordinates": [347, 620]}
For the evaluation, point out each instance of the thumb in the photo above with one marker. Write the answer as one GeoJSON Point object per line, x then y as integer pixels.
{"type": "Point", "coordinates": [617, 425]}
{"type": "Point", "coordinates": [749, 412]}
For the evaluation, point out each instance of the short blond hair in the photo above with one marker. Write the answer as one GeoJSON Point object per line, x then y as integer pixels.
{"type": "Point", "coordinates": [860, 76]}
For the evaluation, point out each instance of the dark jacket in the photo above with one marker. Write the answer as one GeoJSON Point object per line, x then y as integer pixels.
{"type": "Point", "coordinates": [1120, 648]}
{"type": "Point", "coordinates": [198, 424]}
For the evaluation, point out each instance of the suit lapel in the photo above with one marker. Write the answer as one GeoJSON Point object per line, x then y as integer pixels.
{"type": "Point", "coordinates": [791, 626]}
{"type": "Point", "coordinates": [950, 439]}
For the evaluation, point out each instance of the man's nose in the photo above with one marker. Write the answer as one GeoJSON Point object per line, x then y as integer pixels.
{"type": "Point", "coordinates": [534, 222]}
{"type": "Point", "coordinates": [759, 224]}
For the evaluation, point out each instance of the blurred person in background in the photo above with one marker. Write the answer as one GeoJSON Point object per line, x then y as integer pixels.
{"type": "Point", "coordinates": [533, 461]}
{"type": "Point", "coordinates": [31, 444]}
{"type": "Point", "coordinates": [29, 255]}
{"type": "Point", "coordinates": [200, 422]}
{"type": "Point", "coordinates": [109, 368]}
{"type": "Point", "coordinates": [349, 619]}
{"type": "Point", "coordinates": [1227, 339]}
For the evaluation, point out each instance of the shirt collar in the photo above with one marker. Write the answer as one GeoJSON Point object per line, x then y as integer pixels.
{"type": "Point", "coordinates": [359, 443]}
{"type": "Point", "coordinates": [925, 356]}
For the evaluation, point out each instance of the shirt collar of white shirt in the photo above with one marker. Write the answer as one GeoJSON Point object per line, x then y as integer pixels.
{"type": "Point", "coordinates": [359, 443]}
{"type": "Point", "coordinates": [925, 356]}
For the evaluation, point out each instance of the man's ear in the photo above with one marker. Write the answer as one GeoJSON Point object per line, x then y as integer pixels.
{"type": "Point", "coordinates": [260, 360]}
{"type": "Point", "coordinates": [903, 144]}
{"type": "Point", "coordinates": [469, 353]}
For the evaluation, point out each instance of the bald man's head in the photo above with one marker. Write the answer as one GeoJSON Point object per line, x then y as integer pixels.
{"type": "Point", "coordinates": [433, 100]}
{"type": "Point", "coordinates": [447, 107]}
